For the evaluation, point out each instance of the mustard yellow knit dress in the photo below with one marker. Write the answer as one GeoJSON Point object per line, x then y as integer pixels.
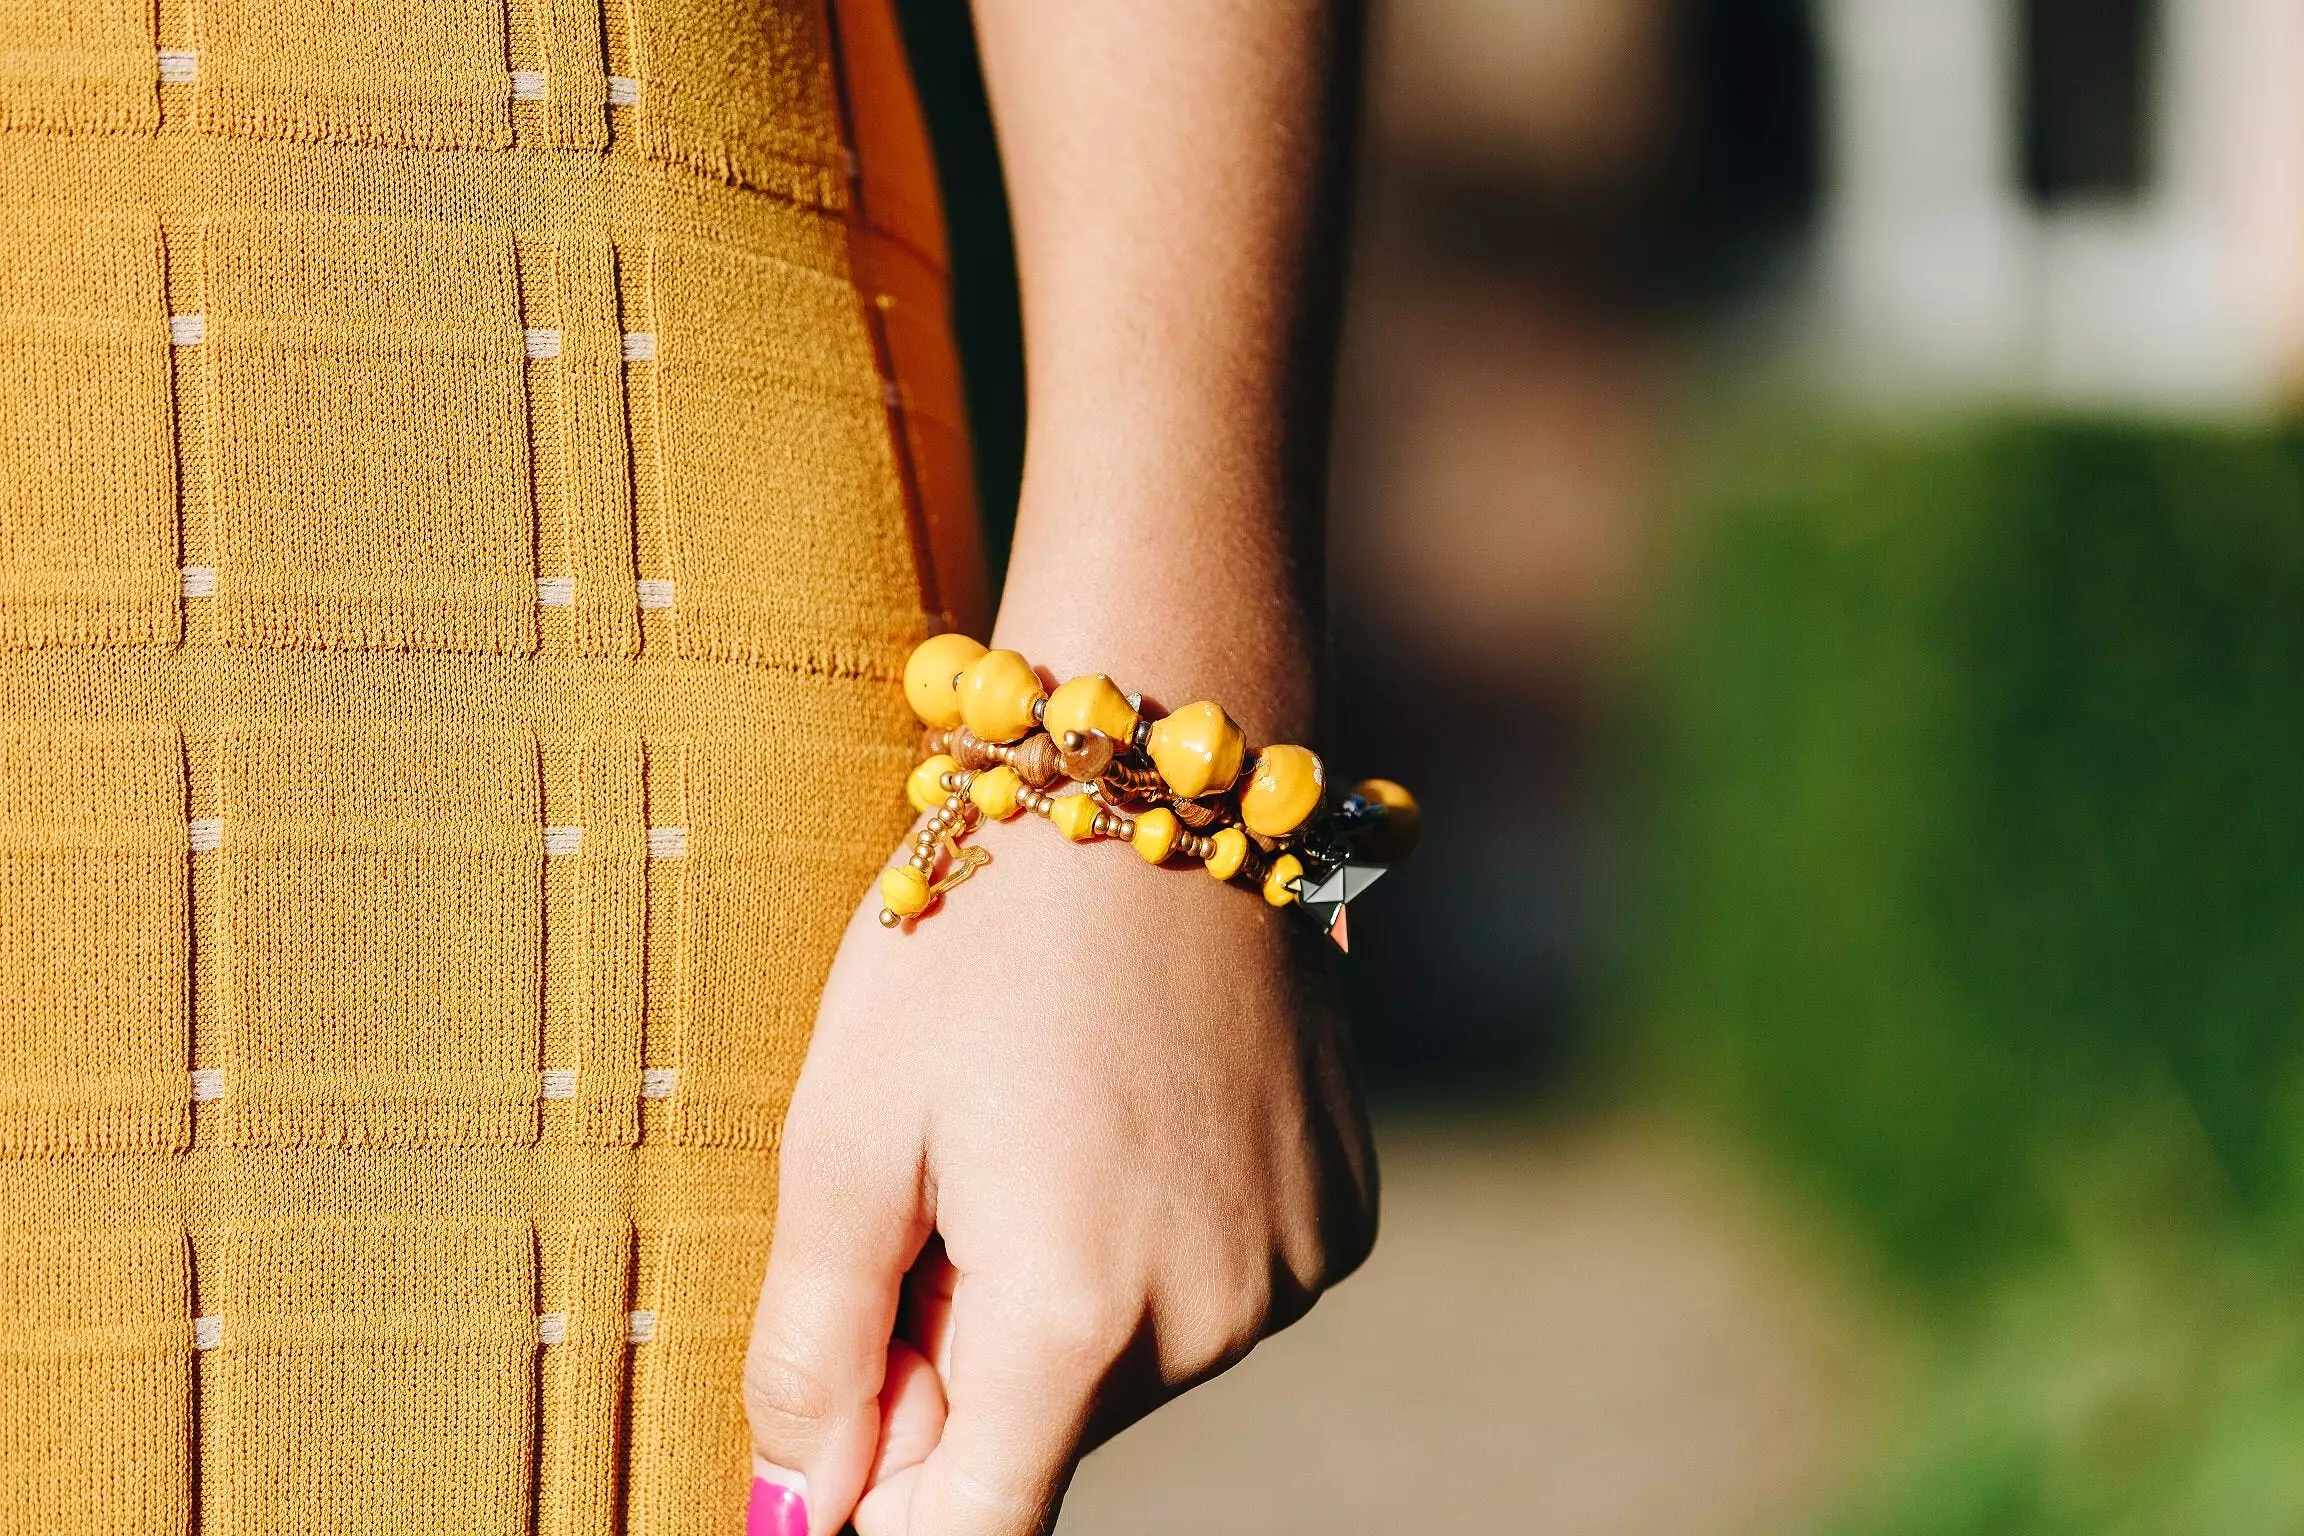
{"type": "Point", "coordinates": [470, 471]}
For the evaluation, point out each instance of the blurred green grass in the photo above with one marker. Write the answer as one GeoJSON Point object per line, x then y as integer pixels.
{"type": "Point", "coordinates": [1979, 807]}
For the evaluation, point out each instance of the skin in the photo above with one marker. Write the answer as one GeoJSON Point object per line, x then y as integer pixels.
{"type": "Point", "coordinates": [1081, 1138]}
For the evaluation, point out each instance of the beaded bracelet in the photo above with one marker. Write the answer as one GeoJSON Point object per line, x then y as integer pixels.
{"type": "Point", "coordinates": [1085, 758]}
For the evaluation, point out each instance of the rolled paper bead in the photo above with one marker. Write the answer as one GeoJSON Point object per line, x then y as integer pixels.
{"type": "Point", "coordinates": [932, 677]}
{"type": "Point", "coordinates": [1075, 816]}
{"type": "Point", "coordinates": [904, 891]}
{"type": "Point", "coordinates": [1156, 833]}
{"type": "Point", "coordinates": [1227, 852]}
{"type": "Point", "coordinates": [995, 792]}
{"type": "Point", "coordinates": [1091, 703]}
{"type": "Point", "coordinates": [1283, 789]}
{"type": "Point", "coordinates": [1197, 750]}
{"type": "Point", "coordinates": [1395, 836]}
{"type": "Point", "coordinates": [925, 788]}
{"type": "Point", "coordinates": [1280, 880]}
{"type": "Point", "coordinates": [997, 693]}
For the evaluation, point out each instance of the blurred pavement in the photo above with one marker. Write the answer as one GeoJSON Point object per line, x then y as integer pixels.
{"type": "Point", "coordinates": [1594, 1331]}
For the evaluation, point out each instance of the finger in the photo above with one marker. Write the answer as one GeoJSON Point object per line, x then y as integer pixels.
{"type": "Point", "coordinates": [1025, 1377]}
{"type": "Point", "coordinates": [911, 1422]}
{"type": "Point", "coordinates": [927, 1317]}
{"type": "Point", "coordinates": [847, 1227]}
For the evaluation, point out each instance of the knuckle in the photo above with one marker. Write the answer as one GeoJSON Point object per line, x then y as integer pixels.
{"type": "Point", "coordinates": [787, 1403]}
{"type": "Point", "coordinates": [1085, 1327]}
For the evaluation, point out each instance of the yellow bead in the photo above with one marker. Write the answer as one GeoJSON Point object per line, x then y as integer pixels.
{"type": "Point", "coordinates": [932, 677]}
{"type": "Point", "coordinates": [1197, 750]}
{"type": "Point", "coordinates": [997, 693]}
{"type": "Point", "coordinates": [1092, 703]}
{"type": "Point", "coordinates": [1075, 816]}
{"type": "Point", "coordinates": [1395, 837]}
{"type": "Point", "coordinates": [1284, 789]}
{"type": "Point", "coordinates": [1155, 837]}
{"type": "Point", "coordinates": [1280, 879]}
{"type": "Point", "coordinates": [995, 791]}
{"type": "Point", "coordinates": [1230, 852]}
{"type": "Point", "coordinates": [925, 789]}
{"type": "Point", "coordinates": [904, 891]}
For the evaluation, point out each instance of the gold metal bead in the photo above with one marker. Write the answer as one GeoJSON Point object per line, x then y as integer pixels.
{"type": "Point", "coordinates": [888, 919]}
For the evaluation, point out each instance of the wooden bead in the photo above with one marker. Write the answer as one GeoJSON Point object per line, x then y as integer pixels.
{"type": "Point", "coordinates": [1283, 790]}
{"type": "Point", "coordinates": [1197, 816]}
{"type": "Point", "coordinates": [1087, 761]}
{"type": "Point", "coordinates": [1197, 750]}
{"type": "Point", "coordinates": [1395, 836]}
{"type": "Point", "coordinates": [1156, 833]}
{"type": "Point", "coordinates": [925, 788]}
{"type": "Point", "coordinates": [997, 695]}
{"type": "Point", "coordinates": [932, 676]}
{"type": "Point", "coordinates": [904, 891]}
{"type": "Point", "coordinates": [973, 751]}
{"type": "Point", "coordinates": [1036, 761]}
{"type": "Point", "coordinates": [1280, 879]}
{"type": "Point", "coordinates": [995, 792]}
{"type": "Point", "coordinates": [1090, 704]}
{"type": "Point", "coordinates": [1075, 816]}
{"type": "Point", "coordinates": [1227, 851]}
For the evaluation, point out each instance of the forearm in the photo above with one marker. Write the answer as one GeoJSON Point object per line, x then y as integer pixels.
{"type": "Point", "coordinates": [1175, 173]}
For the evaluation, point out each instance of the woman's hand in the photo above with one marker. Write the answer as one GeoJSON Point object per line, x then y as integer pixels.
{"type": "Point", "coordinates": [1104, 1117]}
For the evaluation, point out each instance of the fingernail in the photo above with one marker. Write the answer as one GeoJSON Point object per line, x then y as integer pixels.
{"type": "Point", "coordinates": [776, 1510]}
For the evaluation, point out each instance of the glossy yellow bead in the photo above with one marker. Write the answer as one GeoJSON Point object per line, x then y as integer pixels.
{"type": "Point", "coordinates": [1283, 790]}
{"type": "Point", "coordinates": [904, 891]}
{"type": "Point", "coordinates": [1155, 838]}
{"type": "Point", "coordinates": [995, 792]}
{"type": "Point", "coordinates": [925, 789]}
{"type": "Point", "coordinates": [1197, 750]}
{"type": "Point", "coordinates": [1280, 879]}
{"type": "Point", "coordinates": [1230, 852]}
{"type": "Point", "coordinates": [1075, 816]}
{"type": "Point", "coordinates": [997, 693]}
{"type": "Point", "coordinates": [1092, 703]}
{"type": "Point", "coordinates": [932, 677]}
{"type": "Point", "coordinates": [1395, 837]}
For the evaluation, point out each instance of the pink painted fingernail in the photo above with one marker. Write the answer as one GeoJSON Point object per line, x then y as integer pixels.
{"type": "Point", "coordinates": [776, 1511]}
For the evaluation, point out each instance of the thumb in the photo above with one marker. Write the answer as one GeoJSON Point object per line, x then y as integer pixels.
{"type": "Point", "coordinates": [849, 1219]}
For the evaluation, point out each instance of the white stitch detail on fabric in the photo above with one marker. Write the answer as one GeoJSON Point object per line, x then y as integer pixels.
{"type": "Point", "coordinates": [197, 581]}
{"type": "Point", "coordinates": [623, 91]}
{"type": "Point", "coordinates": [640, 1327]}
{"type": "Point", "coordinates": [654, 592]}
{"type": "Point", "coordinates": [179, 66]}
{"type": "Point", "coordinates": [559, 1082]}
{"type": "Point", "coordinates": [207, 1332]}
{"type": "Point", "coordinates": [639, 346]}
{"type": "Point", "coordinates": [560, 842]}
{"type": "Point", "coordinates": [527, 85]}
{"type": "Point", "coordinates": [205, 834]}
{"type": "Point", "coordinates": [187, 330]}
{"type": "Point", "coordinates": [658, 1082]}
{"type": "Point", "coordinates": [207, 1084]}
{"type": "Point", "coordinates": [667, 842]}
{"type": "Point", "coordinates": [854, 166]}
{"type": "Point", "coordinates": [551, 1327]}
{"type": "Point", "coordinates": [892, 394]}
{"type": "Point", "coordinates": [541, 344]}
{"type": "Point", "coordinates": [555, 591]}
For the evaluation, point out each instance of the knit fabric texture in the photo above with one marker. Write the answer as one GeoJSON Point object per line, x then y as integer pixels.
{"type": "Point", "coordinates": [470, 472]}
